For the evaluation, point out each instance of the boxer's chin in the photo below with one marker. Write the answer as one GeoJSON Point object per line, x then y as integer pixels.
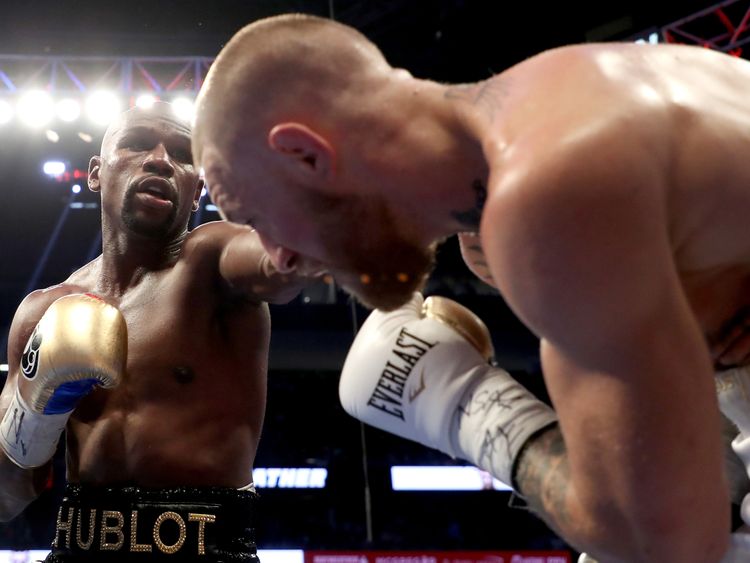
{"type": "Point", "coordinates": [390, 283]}
{"type": "Point", "coordinates": [382, 294]}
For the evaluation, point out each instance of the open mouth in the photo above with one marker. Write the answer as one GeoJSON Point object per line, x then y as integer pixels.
{"type": "Point", "coordinates": [158, 188]}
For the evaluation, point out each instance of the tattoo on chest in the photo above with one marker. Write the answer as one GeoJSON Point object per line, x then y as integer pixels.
{"type": "Point", "coordinates": [184, 374]}
{"type": "Point", "coordinates": [471, 217]}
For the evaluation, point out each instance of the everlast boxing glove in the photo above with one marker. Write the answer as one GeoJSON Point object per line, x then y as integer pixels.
{"type": "Point", "coordinates": [422, 372]}
{"type": "Point", "coordinates": [80, 342]}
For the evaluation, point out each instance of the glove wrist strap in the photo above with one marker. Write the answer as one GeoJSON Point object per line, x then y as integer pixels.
{"type": "Point", "coordinates": [28, 438]}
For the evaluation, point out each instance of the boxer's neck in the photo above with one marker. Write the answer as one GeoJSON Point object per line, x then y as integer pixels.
{"type": "Point", "coordinates": [440, 158]}
{"type": "Point", "coordinates": [126, 260]}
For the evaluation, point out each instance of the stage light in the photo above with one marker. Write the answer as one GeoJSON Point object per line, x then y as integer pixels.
{"type": "Point", "coordinates": [52, 136]}
{"type": "Point", "coordinates": [35, 108]}
{"type": "Point", "coordinates": [76, 188]}
{"type": "Point", "coordinates": [290, 477]}
{"type": "Point", "coordinates": [145, 101]}
{"type": "Point", "coordinates": [6, 112]}
{"type": "Point", "coordinates": [183, 108]}
{"type": "Point", "coordinates": [85, 137]}
{"type": "Point", "coordinates": [102, 107]}
{"type": "Point", "coordinates": [443, 478]}
{"type": "Point", "coordinates": [53, 167]}
{"type": "Point", "coordinates": [68, 109]}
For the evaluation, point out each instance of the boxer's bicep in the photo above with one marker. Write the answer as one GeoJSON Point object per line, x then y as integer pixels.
{"type": "Point", "coordinates": [589, 268]}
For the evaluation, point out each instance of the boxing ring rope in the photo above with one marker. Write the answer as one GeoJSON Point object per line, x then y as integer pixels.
{"type": "Point", "coordinates": [363, 443]}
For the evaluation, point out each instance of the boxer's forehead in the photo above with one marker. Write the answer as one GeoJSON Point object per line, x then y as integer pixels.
{"type": "Point", "coordinates": [160, 120]}
{"type": "Point", "coordinates": [161, 123]}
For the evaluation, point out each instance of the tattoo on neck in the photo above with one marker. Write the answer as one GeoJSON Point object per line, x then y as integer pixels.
{"type": "Point", "coordinates": [471, 217]}
{"type": "Point", "coordinates": [486, 96]}
{"type": "Point", "coordinates": [542, 475]}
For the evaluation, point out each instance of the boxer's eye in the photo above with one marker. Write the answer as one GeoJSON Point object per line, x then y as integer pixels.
{"type": "Point", "coordinates": [183, 155]}
{"type": "Point", "coordinates": [136, 144]}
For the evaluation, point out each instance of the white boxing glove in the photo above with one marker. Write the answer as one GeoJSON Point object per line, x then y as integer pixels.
{"type": "Point", "coordinates": [733, 392]}
{"type": "Point", "coordinates": [80, 342]}
{"type": "Point", "coordinates": [422, 372]}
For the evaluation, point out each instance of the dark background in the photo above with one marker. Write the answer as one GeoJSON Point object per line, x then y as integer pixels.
{"type": "Point", "coordinates": [445, 40]}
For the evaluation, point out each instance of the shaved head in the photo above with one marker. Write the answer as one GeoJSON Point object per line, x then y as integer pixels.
{"type": "Point", "coordinates": [290, 67]}
{"type": "Point", "coordinates": [295, 114]}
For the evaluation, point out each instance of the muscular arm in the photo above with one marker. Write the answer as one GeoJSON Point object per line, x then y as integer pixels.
{"type": "Point", "coordinates": [244, 265]}
{"type": "Point", "coordinates": [580, 250]}
{"type": "Point", "coordinates": [18, 487]}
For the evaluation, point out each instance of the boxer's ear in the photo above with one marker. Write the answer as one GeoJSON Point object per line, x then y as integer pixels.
{"type": "Point", "coordinates": [197, 194]}
{"type": "Point", "coordinates": [94, 166]}
{"type": "Point", "coordinates": [308, 151]}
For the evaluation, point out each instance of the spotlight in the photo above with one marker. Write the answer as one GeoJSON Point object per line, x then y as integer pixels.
{"type": "Point", "coordinates": [35, 108]}
{"type": "Point", "coordinates": [183, 108]}
{"type": "Point", "coordinates": [6, 112]}
{"type": "Point", "coordinates": [102, 107]}
{"type": "Point", "coordinates": [53, 168]}
{"type": "Point", "coordinates": [145, 101]}
{"type": "Point", "coordinates": [85, 137]}
{"type": "Point", "coordinates": [76, 188]}
{"type": "Point", "coordinates": [52, 136]}
{"type": "Point", "coordinates": [68, 109]}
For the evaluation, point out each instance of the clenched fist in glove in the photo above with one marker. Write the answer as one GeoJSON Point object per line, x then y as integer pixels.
{"type": "Point", "coordinates": [422, 372]}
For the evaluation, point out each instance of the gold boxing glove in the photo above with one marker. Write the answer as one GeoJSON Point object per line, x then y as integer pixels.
{"type": "Point", "coordinates": [80, 342]}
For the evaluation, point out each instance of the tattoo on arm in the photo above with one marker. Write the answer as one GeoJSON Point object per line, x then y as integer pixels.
{"type": "Point", "coordinates": [471, 217]}
{"type": "Point", "coordinates": [542, 475]}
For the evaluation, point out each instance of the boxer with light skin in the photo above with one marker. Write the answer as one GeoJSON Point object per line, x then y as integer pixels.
{"type": "Point", "coordinates": [184, 364]}
{"type": "Point", "coordinates": [601, 188]}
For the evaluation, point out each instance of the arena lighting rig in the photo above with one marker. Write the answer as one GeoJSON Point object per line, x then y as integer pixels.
{"type": "Point", "coordinates": [39, 92]}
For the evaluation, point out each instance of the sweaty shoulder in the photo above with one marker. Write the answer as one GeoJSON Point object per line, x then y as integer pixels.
{"type": "Point", "coordinates": [566, 208]}
{"type": "Point", "coordinates": [230, 254]}
{"type": "Point", "coordinates": [213, 230]}
{"type": "Point", "coordinates": [209, 239]}
{"type": "Point", "coordinates": [566, 92]}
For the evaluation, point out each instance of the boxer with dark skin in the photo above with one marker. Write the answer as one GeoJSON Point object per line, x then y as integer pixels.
{"type": "Point", "coordinates": [189, 408]}
{"type": "Point", "coordinates": [605, 190]}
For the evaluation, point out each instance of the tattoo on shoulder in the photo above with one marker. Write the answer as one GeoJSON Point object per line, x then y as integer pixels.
{"type": "Point", "coordinates": [486, 96]}
{"type": "Point", "coordinates": [471, 217]}
{"type": "Point", "coordinates": [542, 476]}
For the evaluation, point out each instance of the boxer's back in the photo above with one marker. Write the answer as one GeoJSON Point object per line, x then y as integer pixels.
{"type": "Point", "coordinates": [191, 405]}
{"type": "Point", "coordinates": [685, 108]}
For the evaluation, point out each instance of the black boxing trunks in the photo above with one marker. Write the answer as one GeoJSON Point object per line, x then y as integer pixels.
{"type": "Point", "coordinates": [118, 524]}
